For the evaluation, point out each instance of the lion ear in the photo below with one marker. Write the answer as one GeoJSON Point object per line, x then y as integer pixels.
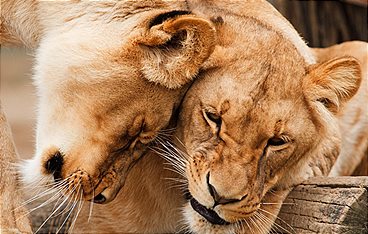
{"type": "Point", "coordinates": [174, 47]}
{"type": "Point", "coordinates": [334, 82]}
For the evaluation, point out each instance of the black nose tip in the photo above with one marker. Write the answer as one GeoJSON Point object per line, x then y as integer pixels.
{"type": "Point", "coordinates": [54, 165]}
{"type": "Point", "coordinates": [99, 199]}
{"type": "Point", "coordinates": [210, 215]}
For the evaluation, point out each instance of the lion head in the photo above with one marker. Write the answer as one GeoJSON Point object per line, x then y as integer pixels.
{"type": "Point", "coordinates": [260, 119]}
{"type": "Point", "coordinates": [109, 76]}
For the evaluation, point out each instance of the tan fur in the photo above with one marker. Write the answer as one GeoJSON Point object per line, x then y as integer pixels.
{"type": "Point", "coordinates": [13, 217]}
{"type": "Point", "coordinates": [254, 78]}
{"type": "Point", "coordinates": [354, 122]}
{"type": "Point", "coordinates": [261, 79]}
{"type": "Point", "coordinates": [108, 80]}
{"type": "Point", "coordinates": [19, 23]}
{"type": "Point", "coordinates": [263, 85]}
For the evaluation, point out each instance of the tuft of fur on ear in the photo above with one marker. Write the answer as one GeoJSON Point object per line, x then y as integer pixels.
{"type": "Point", "coordinates": [174, 48]}
{"type": "Point", "coordinates": [334, 82]}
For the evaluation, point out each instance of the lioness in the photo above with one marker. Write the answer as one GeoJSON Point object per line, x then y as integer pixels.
{"type": "Point", "coordinates": [109, 76]}
{"type": "Point", "coordinates": [264, 117]}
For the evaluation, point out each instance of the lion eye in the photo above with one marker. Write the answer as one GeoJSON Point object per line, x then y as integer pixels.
{"type": "Point", "coordinates": [276, 141]}
{"type": "Point", "coordinates": [214, 118]}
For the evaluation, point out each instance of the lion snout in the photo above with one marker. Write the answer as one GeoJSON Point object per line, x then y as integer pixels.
{"type": "Point", "coordinates": [54, 165]}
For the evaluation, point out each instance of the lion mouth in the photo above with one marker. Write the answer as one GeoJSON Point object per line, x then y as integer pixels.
{"type": "Point", "coordinates": [210, 215]}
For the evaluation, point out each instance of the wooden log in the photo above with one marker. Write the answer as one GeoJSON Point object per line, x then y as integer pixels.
{"type": "Point", "coordinates": [327, 205]}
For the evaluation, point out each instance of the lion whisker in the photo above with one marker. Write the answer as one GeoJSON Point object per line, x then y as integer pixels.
{"type": "Point", "coordinates": [70, 211]}
{"type": "Point", "coordinates": [91, 207]}
{"type": "Point", "coordinates": [165, 135]}
{"type": "Point", "coordinates": [267, 220]}
{"type": "Point", "coordinates": [170, 147]}
{"type": "Point", "coordinates": [74, 203]}
{"type": "Point", "coordinates": [53, 212]}
{"type": "Point", "coordinates": [176, 155]}
{"type": "Point", "coordinates": [246, 222]}
{"type": "Point", "coordinates": [71, 193]}
{"type": "Point", "coordinates": [275, 216]}
{"type": "Point", "coordinates": [49, 191]}
{"type": "Point", "coordinates": [45, 184]}
{"type": "Point", "coordinates": [175, 169]}
{"type": "Point", "coordinates": [80, 206]}
{"type": "Point", "coordinates": [182, 188]}
{"type": "Point", "coordinates": [56, 206]}
{"type": "Point", "coordinates": [184, 181]}
{"type": "Point", "coordinates": [40, 183]}
{"type": "Point", "coordinates": [48, 201]}
{"type": "Point", "coordinates": [173, 161]}
{"type": "Point", "coordinates": [270, 221]}
{"type": "Point", "coordinates": [242, 228]}
{"type": "Point", "coordinates": [255, 224]}
{"type": "Point", "coordinates": [180, 152]}
{"type": "Point", "coordinates": [168, 129]}
{"type": "Point", "coordinates": [44, 193]}
{"type": "Point", "coordinates": [264, 221]}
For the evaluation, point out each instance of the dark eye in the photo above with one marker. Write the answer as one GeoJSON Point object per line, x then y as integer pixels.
{"type": "Point", "coordinates": [276, 141]}
{"type": "Point", "coordinates": [214, 118]}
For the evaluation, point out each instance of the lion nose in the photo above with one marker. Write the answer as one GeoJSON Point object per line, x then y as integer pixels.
{"type": "Point", "coordinates": [54, 165]}
{"type": "Point", "coordinates": [219, 200]}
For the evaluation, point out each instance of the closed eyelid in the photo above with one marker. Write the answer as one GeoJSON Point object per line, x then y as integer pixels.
{"type": "Point", "coordinates": [210, 109]}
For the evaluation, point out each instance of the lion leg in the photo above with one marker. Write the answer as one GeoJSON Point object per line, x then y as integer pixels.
{"type": "Point", "coordinates": [13, 218]}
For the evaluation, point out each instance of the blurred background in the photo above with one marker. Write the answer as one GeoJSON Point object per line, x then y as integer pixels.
{"type": "Point", "coordinates": [18, 97]}
{"type": "Point", "coordinates": [320, 23]}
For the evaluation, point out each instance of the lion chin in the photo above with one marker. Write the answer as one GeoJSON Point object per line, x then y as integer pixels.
{"type": "Point", "coordinates": [198, 224]}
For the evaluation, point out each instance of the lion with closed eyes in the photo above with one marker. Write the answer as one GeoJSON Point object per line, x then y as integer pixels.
{"type": "Point", "coordinates": [109, 77]}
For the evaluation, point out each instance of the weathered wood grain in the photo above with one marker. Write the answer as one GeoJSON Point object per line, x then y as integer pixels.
{"type": "Point", "coordinates": [327, 205]}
